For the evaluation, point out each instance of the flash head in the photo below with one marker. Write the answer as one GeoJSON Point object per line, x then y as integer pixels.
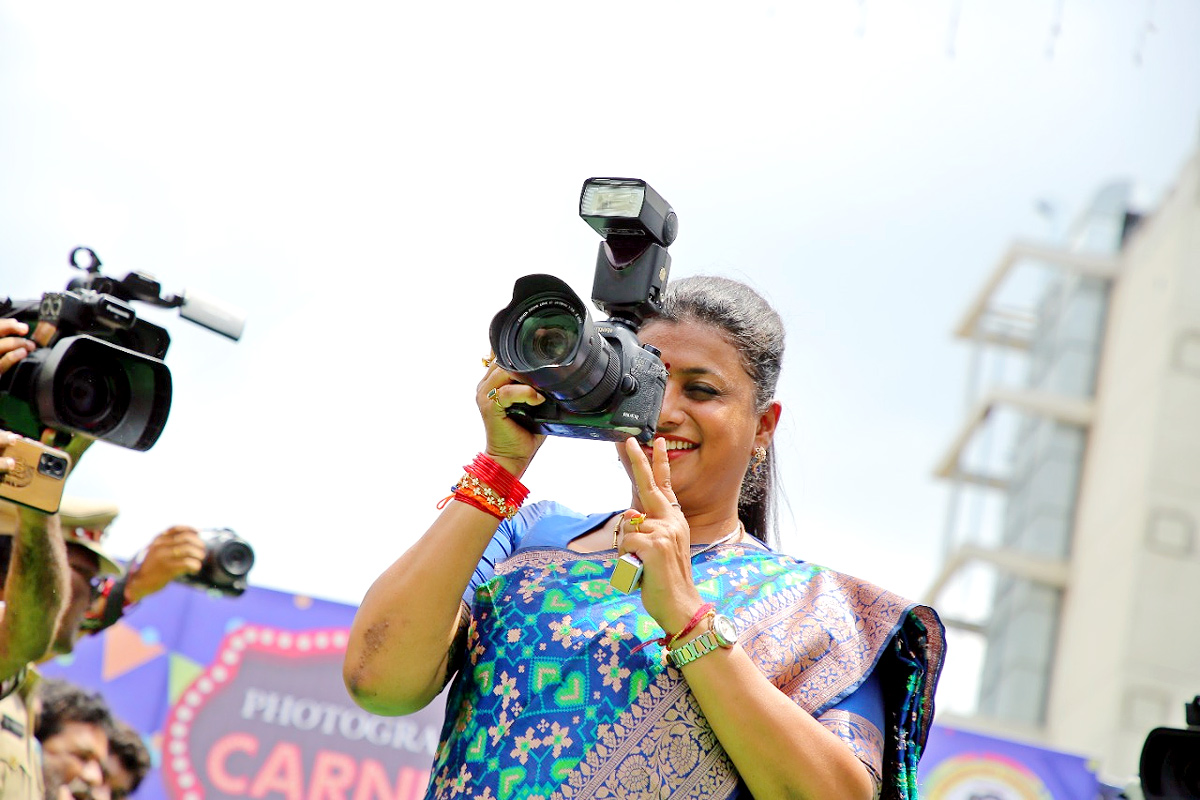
{"type": "Point", "coordinates": [627, 207]}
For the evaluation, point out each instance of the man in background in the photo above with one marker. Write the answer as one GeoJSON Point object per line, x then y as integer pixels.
{"type": "Point", "coordinates": [175, 552]}
{"type": "Point", "coordinates": [128, 761]}
{"type": "Point", "coordinates": [73, 727]}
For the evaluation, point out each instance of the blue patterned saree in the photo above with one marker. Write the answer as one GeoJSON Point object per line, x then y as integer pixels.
{"type": "Point", "coordinates": [552, 701]}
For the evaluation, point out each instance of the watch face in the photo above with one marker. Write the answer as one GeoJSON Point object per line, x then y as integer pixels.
{"type": "Point", "coordinates": [725, 629]}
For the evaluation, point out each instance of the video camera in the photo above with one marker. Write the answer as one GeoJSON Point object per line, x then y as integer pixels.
{"type": "Point", "coordinates": [599, 381]}
{"type": "Point", "coordinates": [98, 369]}
{"type": "Point", "coordinates": [1170, 762]}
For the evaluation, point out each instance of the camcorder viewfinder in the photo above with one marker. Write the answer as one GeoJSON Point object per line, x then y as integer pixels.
{"type": "Point", "coordinates": [599, 381]}
{"type": "Point", "coordinates": [1170, 762]}
{"type": "Point", "coordinates": [98, 370]}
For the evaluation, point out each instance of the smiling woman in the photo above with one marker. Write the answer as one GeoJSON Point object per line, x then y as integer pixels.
{"type": "Point", "coordinates": [737, 671]}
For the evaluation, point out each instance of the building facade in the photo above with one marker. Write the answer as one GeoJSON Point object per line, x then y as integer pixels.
{"type": "Point", "coordinates": [1082, 580]}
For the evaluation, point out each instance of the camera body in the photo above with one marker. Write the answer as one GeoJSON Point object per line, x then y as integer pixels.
{"type": "Point", "coordinates": [226, 565]}
{"type": "Point", "coordinates": [98, 370]}
{"type": "Point", "coordinates": [599, 381]}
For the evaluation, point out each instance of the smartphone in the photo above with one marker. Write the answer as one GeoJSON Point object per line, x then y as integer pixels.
{"type": "Point", "coordinates": [38, 479]}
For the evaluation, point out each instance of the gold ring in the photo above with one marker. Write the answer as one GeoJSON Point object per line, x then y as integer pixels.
{"type": "Point", "coordinates": [636, 521]}
{"type": "Point", "coordinates": [487, 362]}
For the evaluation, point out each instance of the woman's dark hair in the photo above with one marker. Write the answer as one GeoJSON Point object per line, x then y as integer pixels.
{"type": "Point", "coordinates": [755, 329]}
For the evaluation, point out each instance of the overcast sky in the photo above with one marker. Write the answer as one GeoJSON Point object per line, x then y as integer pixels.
{"type": "Point", "coordinates": [367, 180]}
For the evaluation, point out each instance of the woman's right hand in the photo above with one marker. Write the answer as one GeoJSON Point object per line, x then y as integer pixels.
{"type": "Point", "coordinates": [510, 444]}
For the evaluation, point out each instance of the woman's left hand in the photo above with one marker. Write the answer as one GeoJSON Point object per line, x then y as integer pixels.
{"type": "Point", "coordinates": [662, 541]}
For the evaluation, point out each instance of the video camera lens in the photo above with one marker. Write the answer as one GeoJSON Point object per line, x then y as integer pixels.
{"type": "Point", "coordinates": [1170, 765]}
{"type": "Point", "coordinates": [93, 393]}
{"type": "Point", "coordinates": [101, 390]}
{"type": "Point", "coordinates": [546, 337]}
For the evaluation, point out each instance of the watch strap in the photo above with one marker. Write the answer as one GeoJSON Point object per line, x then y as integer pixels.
{"type": "Point", "coordinates": [702, 645]}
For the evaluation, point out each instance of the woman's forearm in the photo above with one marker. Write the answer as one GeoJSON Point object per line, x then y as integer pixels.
{"type": "Point", "coordinates": [778, 748]}
{"type": "Point", "coordinates": [397, 655]}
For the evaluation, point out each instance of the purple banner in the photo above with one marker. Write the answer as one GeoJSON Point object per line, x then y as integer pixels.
{"type": "Point", "coordinates": [959, 765]}
{"type": "Point", "coordinates": [244, 698]}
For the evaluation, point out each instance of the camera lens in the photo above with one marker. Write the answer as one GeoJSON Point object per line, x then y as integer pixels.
{"type": "Point", "coordinates": [235, 558]}
{"type": "Point", "coordinates": [548, 337]}
{"type": "Point", "coordinates": [54, 466]}
{"type": "Point", "coordinates": [89, 394]}
{"type": "Point", "coordinates": [103, 390]}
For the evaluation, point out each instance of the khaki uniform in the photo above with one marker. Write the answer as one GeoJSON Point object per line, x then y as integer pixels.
{"type": "Point", "coordinates": [20, 752]}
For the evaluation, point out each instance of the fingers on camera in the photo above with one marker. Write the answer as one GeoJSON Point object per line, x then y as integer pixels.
{"type": "Point", "coordinates": [14, 351]}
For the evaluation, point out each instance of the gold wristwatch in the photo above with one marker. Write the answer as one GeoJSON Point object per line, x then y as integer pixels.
{"type": "Point", "coordinates": [724, 633]}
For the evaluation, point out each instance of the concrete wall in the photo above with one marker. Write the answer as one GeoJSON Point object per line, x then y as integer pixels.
{"type": "Point", "coordinates": [1128, 650]}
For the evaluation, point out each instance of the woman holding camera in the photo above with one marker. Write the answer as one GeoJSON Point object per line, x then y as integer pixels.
{"type": "Point", "coordinates": [736, 671]}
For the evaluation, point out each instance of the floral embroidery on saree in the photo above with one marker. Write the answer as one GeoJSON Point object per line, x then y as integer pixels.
{"type": "Point", "coordinates": [552, 702]}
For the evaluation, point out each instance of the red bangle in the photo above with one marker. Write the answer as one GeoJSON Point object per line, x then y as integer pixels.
{"type": "Point", "coordinates": [485, 468]}
{"type": "Point", "coordinates": [490, 488]}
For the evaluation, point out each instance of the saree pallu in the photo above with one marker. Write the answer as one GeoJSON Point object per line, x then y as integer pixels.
{"type": "Point", "coordinates": [551, 701]}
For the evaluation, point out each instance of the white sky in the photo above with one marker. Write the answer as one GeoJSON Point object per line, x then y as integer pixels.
{"type": "Point", "coordinates": [367, 180]}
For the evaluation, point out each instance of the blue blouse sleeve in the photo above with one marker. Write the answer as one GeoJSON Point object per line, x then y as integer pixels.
{"type": "Point", "coordinates": [859, 721]}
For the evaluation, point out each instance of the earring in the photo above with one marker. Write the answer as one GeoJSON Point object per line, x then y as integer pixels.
{"type": "Point", "coordinates": [760, 458]}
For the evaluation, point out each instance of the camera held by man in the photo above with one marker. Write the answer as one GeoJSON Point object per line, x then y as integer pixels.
{"type": "Point", "coordinates": [92, 367]}
{"type": "Point", "coordinates": [216, 560]}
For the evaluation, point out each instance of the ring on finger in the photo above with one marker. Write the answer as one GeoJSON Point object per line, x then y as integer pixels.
{"type": "Point", "coordinates": [491, 395]}
{"type": "Point", "coordinates": [636, 521]}
{"type": "Point", "coordinates": [487, 362]}
{"type": "Point", "coordinates": [677, 505]}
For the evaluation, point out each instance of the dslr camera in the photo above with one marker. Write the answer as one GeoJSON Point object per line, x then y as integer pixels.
{"type": "Point", "coordinates": [598, 380]}
{"type": "Point", "coordinates": [98, 370]}
{"type": "Point", "coordinates": [227, 561]}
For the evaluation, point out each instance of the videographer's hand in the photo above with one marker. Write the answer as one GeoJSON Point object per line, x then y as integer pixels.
{"type": "Point", "coordinates": [7, 439]}
{"type": "Point", "coordinates": [13, 345]}
{"type": "Point", "coordinates": [507, 442]}
{"type": "Point", "coordinates": [175, 552]}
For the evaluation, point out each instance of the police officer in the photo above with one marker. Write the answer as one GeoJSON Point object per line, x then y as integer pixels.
{"type": "Point", "coordinates": [33, 562]}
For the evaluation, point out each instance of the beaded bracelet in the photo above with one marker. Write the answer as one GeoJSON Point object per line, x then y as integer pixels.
{"type": "Point", "coordinates": [702, 613]}
{"type": "Point", "coordinates": [475, 492]}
